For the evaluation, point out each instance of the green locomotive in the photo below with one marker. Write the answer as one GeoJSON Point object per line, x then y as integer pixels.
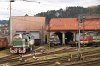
{"type": "Point", "coordinates": [21, 43]}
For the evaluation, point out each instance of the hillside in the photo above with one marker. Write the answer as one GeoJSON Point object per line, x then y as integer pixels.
{"type": "Point", "coordinates": [70, 12]}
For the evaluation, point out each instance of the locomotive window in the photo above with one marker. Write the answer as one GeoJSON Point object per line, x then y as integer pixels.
{"type": "Point", "coordinates": [25, 40]}
{"type": "Point", "coordinates": [29, 37]}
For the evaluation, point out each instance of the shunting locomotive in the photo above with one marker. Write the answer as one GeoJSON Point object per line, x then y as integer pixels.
{"type": "Point", "coordinates": [22, 43]}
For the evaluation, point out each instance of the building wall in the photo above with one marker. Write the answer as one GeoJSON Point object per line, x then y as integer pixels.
{"type": "Point", "coordinates": [27, 23]}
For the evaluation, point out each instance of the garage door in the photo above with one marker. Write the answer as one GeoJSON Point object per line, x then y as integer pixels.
{"type": "Point", "coordinates": [35, 34]}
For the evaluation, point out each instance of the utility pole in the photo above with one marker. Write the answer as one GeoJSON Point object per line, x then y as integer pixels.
{"type": "Point", "coordinates": [80, 20]}
{"type": "Point", "coordinates": [48, 33]}
{"type": "Point", "coordinates": [10, 22]}
{"type": "Point", "coordinates": [10, 17]}
{"type": "Point", "coordinates": [79, 34]}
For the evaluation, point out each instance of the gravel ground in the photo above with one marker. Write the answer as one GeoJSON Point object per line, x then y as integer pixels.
{"type": "Point", "coordinates": [4, 53]}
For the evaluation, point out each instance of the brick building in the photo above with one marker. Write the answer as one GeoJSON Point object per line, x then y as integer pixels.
{"type": "Point", "coordinates": [29, 24]}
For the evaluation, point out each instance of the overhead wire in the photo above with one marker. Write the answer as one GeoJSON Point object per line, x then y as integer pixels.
{"type": "Point", "coordinates": [42, 4]}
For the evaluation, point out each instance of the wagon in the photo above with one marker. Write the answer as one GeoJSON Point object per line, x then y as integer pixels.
{"type": "Point", "coordinates": [3, 42]}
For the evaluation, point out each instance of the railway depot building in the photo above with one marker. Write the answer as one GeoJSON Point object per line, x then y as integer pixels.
{"type": "Point", "coordinates": [67, 28]}
{"type": "Point", "coordinates": [28, 24]}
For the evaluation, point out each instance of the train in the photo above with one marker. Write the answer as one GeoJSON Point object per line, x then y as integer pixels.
{"type": "Point", "coordinates": [87, 40]}
{"type": "Point", "coordinates": [54, 40]}
{"type": "Point", "coordinates": [22, 43]}
{"type": "Point", "coordinates": [95, 42]}
{"type": "Point", "coordinates": [25, 42]}
{"type": "Point", "coordinates": [3, 42]}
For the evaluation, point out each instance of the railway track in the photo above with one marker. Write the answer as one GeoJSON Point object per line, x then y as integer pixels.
{"type": "Point", "coordinates": [57, 52]}
{"type": "Point", "coordinates": [84, 63]}
{"type": "Point", "coordinates": [15, 57]}
{"type": "Point", "coordinates": [61, 60]}
{"type": "Point", "coordinates": [9, 58]}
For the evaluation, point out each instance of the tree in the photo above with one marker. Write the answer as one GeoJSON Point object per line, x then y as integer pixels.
{"type": "Point", "coordinates": [71, 12]}
{"type": "Point", "coordinates": [98, 9]}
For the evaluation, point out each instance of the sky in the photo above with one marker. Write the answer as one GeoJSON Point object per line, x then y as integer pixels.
{"type": "Point", "coordinates": [32, 7]}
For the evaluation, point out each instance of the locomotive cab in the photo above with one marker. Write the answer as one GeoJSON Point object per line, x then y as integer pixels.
{"type": "Point", "coordinates": [21, 43]}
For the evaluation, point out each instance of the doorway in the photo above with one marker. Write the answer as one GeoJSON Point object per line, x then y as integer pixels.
{"type": "Point", "coordinates": [59, 35]}
{"type": "Point", "coordinates": [68, 37]}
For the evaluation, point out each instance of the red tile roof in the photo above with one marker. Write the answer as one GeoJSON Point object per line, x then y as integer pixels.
{"type": "Point", "coordinates": [72, 24]}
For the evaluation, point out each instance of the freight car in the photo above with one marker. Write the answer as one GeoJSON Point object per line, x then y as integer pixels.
{"type": "Point", "coordinates": [3, 42]}
{"type": "Point", "coordinates": [21, 43]}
